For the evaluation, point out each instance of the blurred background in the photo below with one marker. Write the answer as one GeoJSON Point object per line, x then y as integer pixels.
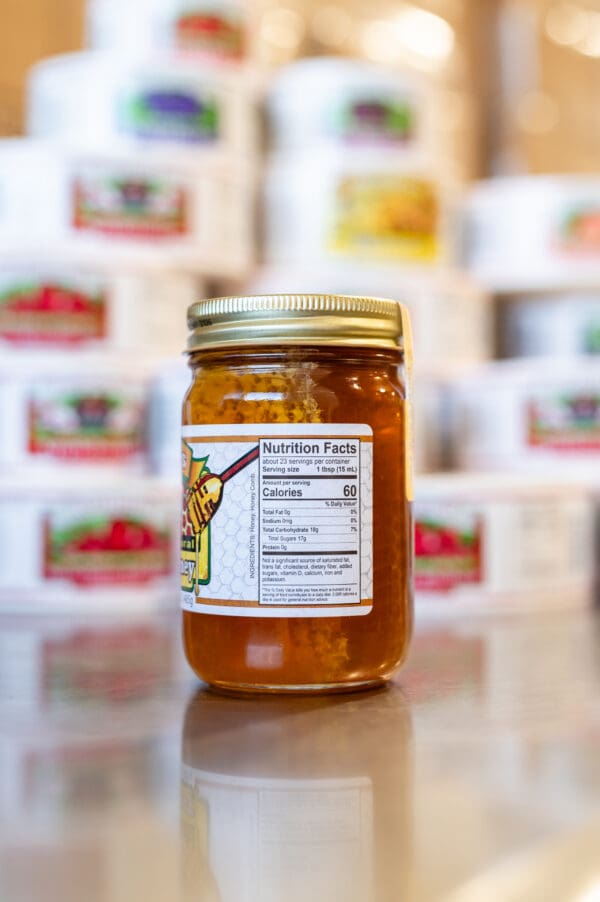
{"type": "Point", "coordinates": [443, 154]}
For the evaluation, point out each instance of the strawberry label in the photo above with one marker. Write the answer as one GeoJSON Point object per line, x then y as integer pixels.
{"type": "Point", "coordinates": [448, 548]}
{"type": "Point", "coordinates": [133, 658]}
{"type": "Point", "coordinates": [210, 32]}
{"type": "Point", "coordinates": [129, 207]}
{"type": "Point", "coordinates": [388, 121]}
{"type": "Point", "coordinates": [87, 425]}
{"type": "Point", "coordinates": [566, 422]}
{"type": "Point", "coordinates": [171, 115]}
{"type": "Point", "coordinates": [391, 216]}
{"type": "Point", "coordinates": [38, 312]}
{"type": "Point", "coordinates": [106, 550]}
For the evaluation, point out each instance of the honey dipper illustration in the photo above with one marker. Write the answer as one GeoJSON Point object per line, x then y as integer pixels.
{"type": "Point", "coordinates": [204, 497]}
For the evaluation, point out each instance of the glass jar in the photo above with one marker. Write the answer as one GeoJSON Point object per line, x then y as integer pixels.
{"type": "Point", "coordinates": [296, 562]}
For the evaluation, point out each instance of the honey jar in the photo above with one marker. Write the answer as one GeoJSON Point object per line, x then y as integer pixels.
{"type": "Point", "coordinates": [296, 547]}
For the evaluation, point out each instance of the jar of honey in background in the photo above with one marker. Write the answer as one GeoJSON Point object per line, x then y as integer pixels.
{"type": "Point", "coordinates": [296, 561]}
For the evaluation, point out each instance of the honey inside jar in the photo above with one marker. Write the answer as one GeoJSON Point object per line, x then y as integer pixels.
{"type": "Point", "coordinates": [315, 522]}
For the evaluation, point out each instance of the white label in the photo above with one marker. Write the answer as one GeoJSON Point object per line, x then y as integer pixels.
{"type": "Point", "coordinates": [277, 520]}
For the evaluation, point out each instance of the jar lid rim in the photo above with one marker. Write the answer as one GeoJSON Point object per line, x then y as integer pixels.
{"type": "Point", "coordinates": [296, 319]}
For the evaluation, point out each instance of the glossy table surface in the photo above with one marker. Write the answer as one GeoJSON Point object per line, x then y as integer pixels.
{"type": "Point", "coordinates": [474, 776]}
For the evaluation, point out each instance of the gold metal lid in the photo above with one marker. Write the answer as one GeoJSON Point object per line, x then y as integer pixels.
{"type": "Point", "coordinates": [296, 319]}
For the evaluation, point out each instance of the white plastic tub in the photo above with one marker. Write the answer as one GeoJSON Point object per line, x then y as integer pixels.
{"type": "Point", "coordinates": [451, 318]}
{"type": "Point", "coordinates": [147, 211]}
{"type": "Point", "coordinates": [534, 232]}
{"type": "Point", "coordinates": [93, 544]}
{"type": "Point", "coordinates": [116, 103]}
{"type": "Point", "coordinates": [349, 103]}
{"type": "Point", "coordinates": [528, 414]}
{"type": "Point", "coordinates": [502, 542]}
{"type": "Point", "coordinates": [201, 30]}
{"type": "Point", "coordinates": [73, 412]}
{"type": "Point", "coordinates": [56, 306]}
{"type": "Point", "coordinates": [355, 207]}
{"type": "Point", "coordinates": [563, 324]}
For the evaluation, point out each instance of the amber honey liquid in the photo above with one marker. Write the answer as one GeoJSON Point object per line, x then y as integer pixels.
{"type": "Point", "coordinates": [310, 385]}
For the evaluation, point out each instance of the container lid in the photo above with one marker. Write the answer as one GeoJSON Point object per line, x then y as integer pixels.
{"type": "Point", "coordinates": [297, 319]}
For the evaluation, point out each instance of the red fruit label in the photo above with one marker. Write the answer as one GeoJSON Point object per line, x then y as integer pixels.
{"type": "Point", "coordinates": [448, 548]}
{"type": "Point", "coordinates": [566, 422]}
{"type": "Point", "coordinates": [210, 33]}
{"type": "Point", "coordinates": [50, 313]}
{"type": "Point", "coordinates": [133, 660]}
{"type": "Point", "coordinates": [105, 550]}
{"type": "Point", "coordinates": [129, 207]}
{"type": "Point", "coordinates": [94, 426]}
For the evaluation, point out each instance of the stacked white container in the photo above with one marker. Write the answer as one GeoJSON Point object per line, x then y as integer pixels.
{"type": "Point", "coordinates": [359, 198]}
{"type": "Point", "coordinates": [521, 529]}
{"type": "Point", "coordinates": [136, 184]}
{"type": "Point", "coordinates": [354, 173]}
{"type": "Point", "coordinates": [502, 543]}
{"type": "Point", "coordinates": [535, 241]}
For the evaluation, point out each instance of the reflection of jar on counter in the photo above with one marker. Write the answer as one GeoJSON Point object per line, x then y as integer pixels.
{"type": "Point", "coordinates": [310, 801]}
{"type": "Point", "coordinates": [296, 540]}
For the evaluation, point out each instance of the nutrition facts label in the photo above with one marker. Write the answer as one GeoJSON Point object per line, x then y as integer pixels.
{"type": "Point", "coordinates": [278, 520]}
{"type": "Point", "coordinates": [310, 521]}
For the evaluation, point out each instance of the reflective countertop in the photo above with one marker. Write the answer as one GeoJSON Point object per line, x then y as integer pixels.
{"type": "Point", "coordinates": [474, 776]}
